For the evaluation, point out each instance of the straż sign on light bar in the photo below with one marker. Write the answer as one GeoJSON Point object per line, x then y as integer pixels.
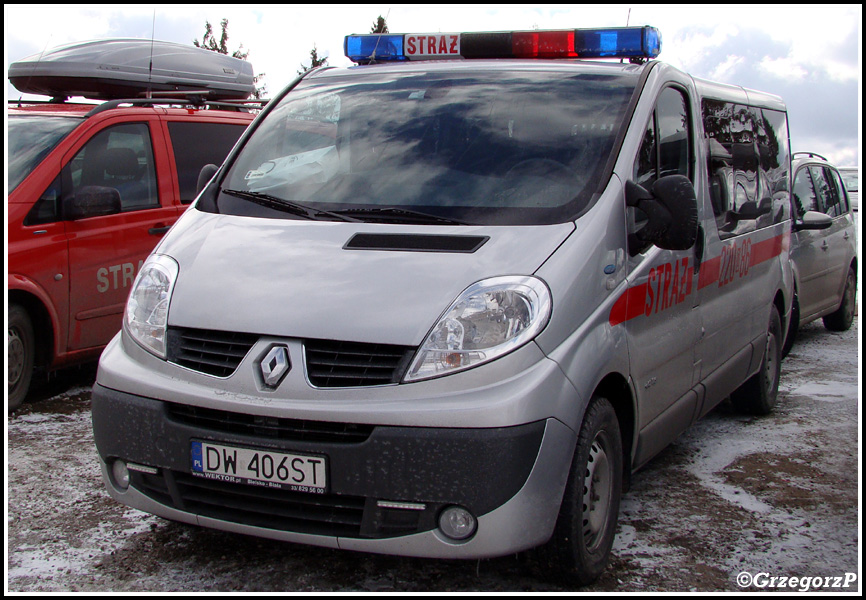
{"type": "Point", "coordinates": [432, 45]}
{"type": "Point", "coordinates": [639, 43]}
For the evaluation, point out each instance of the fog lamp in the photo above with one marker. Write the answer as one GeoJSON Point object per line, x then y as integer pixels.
{"type": "Point", "coordinates": [457, 523]}
{"type": "Point", "coordinates": [120, 474]}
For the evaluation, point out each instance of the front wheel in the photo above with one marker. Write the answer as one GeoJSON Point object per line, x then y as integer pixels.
{"type": "Point", "coordinates": [843, 317]}
{"type": "Point", "coordinates": [759, 393]}
{"type": "Point", "coordinates": [581, 542]}
{"type": "Point", "coordinates": [20, 352]}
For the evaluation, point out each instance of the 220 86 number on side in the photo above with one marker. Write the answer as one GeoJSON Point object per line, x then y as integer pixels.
{"type": "Point", "coordinates": [300, 473]}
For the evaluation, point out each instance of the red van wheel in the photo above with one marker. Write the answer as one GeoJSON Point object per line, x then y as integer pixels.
{"type": "Point", "coordinates": [20, 350]}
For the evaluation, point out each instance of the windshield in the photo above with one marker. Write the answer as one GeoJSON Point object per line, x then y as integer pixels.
{"type": "Point", "coordinates": [484, 148]}
{"type": "Point", "coordinates": [31, 138]}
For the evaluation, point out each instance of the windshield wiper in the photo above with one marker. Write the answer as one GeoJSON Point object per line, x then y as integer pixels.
{"type": "Point", "coordinates": [288, 206]}
{"type": "Point", "coordinates": [398, 215]}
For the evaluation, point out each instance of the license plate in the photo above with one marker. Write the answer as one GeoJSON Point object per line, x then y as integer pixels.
{"type": "Point", "coordinates": [263, 468]}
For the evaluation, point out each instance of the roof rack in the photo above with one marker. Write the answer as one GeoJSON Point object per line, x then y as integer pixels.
{"type": "Point", "coordinates": [189, 100]}
{"type": "Point", "coordinates": [811, 155]}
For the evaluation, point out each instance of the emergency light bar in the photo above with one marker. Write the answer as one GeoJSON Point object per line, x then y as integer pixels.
{"type": "Point", "coordinates": [621, 42]}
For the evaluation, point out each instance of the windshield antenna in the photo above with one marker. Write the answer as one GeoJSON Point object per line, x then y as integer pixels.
{"type": "Point", "coordinates": [150, 66]}
{"type": "Point", "coordinates": [379, 39]}
{"type": "Point", "coordinates": [627, 19]}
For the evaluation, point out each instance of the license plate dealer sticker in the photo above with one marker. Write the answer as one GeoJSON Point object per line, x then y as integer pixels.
{"type": "Point", "coordinates": [263, 468]}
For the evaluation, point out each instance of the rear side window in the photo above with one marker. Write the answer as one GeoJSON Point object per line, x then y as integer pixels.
{"type": "Point", "coordinates": [831, 201]}
{"type": "Point", "coordinates": [836, 176]}
{"type": "Point", "coordinates": [199, 144]}
{"type": "Point", "coordinates": [747, 158]}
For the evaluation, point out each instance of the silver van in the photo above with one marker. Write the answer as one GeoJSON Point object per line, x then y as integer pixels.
{"type": "Point", "coordinates": [445, 308]}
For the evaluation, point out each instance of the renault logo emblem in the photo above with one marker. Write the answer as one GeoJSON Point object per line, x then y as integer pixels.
{"type": "Point", "coordinates": [275, 365]}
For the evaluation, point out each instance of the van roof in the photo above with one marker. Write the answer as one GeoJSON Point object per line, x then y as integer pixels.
{"type": "Point", "coordinates": [493, 64]}
{"type": "Point", "coordinates": [738, 94]}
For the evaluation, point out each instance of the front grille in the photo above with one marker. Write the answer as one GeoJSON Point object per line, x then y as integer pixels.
{"type": "Point", "coordinates": [333, 364]}
{"type": "Point", "coordinates": [319, 514]}
{"type": "Point", "coordinates": [215, 353]}
{"type": "Point", "coordinates": [271, 427]}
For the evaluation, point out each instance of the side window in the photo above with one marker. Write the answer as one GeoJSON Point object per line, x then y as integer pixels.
{"type": "Point", "coordinates": [804, 194]}
{"type": "Point", "coordinates": [771, 135]}
{"type": "Point", "coordinates": [119, 157]}
{"type": "Point", "coordinates": [47, 208]}
{"type": "Point", "coordinates": [666, 146]}
{"type": "Point", "coordinates": [825, 189]}
{"type": "Point", "coordinates": [836, 179]}
{"type": "Point", "coordinates": [645, 165]}
{"type": "Point", "coordinates": [196, 145]}
{"type": "Point", "coordinates": [717, 117]}
{"type": "Point", "coordinates": [745, 156]}
{"type": "Point", "coordinates": [822, 190]}
{"type": "Point", "coordinates": [738, 187]}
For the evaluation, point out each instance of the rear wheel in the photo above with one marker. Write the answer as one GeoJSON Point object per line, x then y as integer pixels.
{"type": "Point", "coordinates": [843, 317]}
{"type": "Point", "coordinates": [581, 542]}
{"type": "Point", "coordinates": [20, 351]}
{"type": "Point", "coordinates": [759, 393]}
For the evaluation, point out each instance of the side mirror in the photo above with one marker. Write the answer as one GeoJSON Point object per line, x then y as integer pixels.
{"type": "Point", "coordinates": [813, 221]}
{"type": "Point", "coordinates": [672, 214]}
{"type": "Point", "coordinates": [92, 201]}
{"type": "Point", "coordinates": [206, 174]}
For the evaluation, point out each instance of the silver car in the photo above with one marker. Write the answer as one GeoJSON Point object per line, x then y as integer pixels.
{"type": "Point", "coordinates": [823, 247]}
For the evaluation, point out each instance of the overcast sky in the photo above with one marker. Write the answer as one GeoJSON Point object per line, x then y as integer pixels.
{"type": "Point", "coordinates": [808, 54]}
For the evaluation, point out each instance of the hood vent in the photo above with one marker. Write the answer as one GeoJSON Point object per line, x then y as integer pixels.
{"type": "Point", "coordinates": [395, 242]}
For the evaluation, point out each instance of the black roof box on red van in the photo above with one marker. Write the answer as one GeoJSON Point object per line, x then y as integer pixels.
{"type": "Point", "coordinates": [121, 68]}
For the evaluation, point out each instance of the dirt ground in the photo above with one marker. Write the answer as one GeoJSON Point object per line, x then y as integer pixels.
{"type": "Point", "coordinates": [736, 503]}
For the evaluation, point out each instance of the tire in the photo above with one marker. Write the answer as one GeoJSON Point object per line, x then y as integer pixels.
{"type": "Point", "coordinates": [793, 327]}
{"type": "Point", "coordinates": [20, 353]}
{"type": "Point", "coordinates": [843, 317]}
{"type": "Point", "coordinates": [759, 393]}
{"type": "Point", "coordinates": [580, 547]}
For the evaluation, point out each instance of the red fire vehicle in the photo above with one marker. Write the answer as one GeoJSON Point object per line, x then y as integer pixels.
{"type": "Point", "coordinates": [93, 187]}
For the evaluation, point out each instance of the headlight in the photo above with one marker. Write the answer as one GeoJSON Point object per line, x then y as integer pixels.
{"type": "Point", "coordinates": [489, 319]}
{"type": "Point", "coordinates": [147, 306]}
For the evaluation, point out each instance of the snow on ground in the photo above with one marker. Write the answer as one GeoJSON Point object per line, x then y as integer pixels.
{"type": "Point", "coordinates": [734, 494]}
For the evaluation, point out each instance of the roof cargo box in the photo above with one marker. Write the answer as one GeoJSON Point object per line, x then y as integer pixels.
{"type": "Point", "coordinates": [121, 68]}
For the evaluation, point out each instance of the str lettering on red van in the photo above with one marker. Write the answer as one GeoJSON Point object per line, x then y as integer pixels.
{"type": "Point", "coordinates": [116, 276]}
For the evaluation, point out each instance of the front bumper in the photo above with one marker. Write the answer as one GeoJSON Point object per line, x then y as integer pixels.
{"type": "Point", "coordinates": [510, 478]}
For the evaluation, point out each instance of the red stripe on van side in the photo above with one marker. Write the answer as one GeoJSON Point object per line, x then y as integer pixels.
{"type": "Point", "coordinates": [764, 251]}
{"type": "Point", "coordinates": [628, 306]}
{"type": "Point", "coordinates": [632, 302]}
{"type": "Point", "coordinates": [709, 272]}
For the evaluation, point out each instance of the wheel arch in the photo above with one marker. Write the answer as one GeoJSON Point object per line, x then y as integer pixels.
{"type": "Point", "coordinates": [616, 389]}
{"type": "Point", "coordinates": [44, 325]}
